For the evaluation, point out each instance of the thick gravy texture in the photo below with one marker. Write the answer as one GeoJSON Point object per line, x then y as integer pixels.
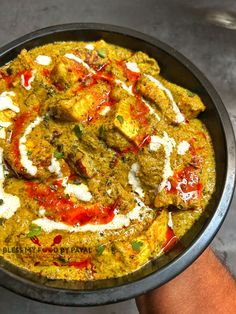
{"type": "Point", "coordinates": [104, 164]}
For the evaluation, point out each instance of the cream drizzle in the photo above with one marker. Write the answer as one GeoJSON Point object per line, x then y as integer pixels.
{"type": "Point", "coordinates": [43, 60]}
{"type": "Point", "coordinates": [25, 161]}
{"type": "Point", "coordinates": [134, 180]}
{"type": "Point", "coordinates": [168, 144]}
{"type": "Point", "coordinates": [170, 220]}
{"type": "Point", "coordinates": [104, 110]}
{"type": "Point", "coordinates": [151, 110]}
{"type": "Point", "coordinates": [55, 167]}
{"type": "Point", "coordinates": [80, 191]}
{"type": "Point", "coordinates": [183, 147]}
{"type": "Point", "coordinates": [89, 46]}
{"type": "Point", "coordinates": [119, 221]}
{"type": "Point", "coordinates": [7, 103]}
{"type": "Point", "coordinates": [73, 57]}
{"type": "Point", "coordinates": [179, 117]}
{"type": "Point", "coordinates": [132, 66]}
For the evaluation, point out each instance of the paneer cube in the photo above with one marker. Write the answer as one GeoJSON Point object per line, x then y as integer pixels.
{"type": "Point", "coordinates": [123, 120]}
{"type": "Point", "coordinates": [73, 109]}
{"type": "Point", "coordinates": [66, 72]}
{"type": "Point", "coordinates": [78, 108]}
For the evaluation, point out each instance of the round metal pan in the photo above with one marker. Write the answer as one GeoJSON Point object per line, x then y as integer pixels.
{"type": "Point", "coordinates": [180, 70]}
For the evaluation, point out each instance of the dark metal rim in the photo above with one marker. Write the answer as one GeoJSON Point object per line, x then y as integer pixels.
{"type": "Point", "coordinates": [115, 294]}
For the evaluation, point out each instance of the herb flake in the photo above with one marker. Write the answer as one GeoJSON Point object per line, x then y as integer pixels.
{"type": "Point", "coordinates": [78, 129]}
{"type": "Point", "coordinates": [34, 231]}
{"type": "Point", "coordinates": [100, 249]}
{"type": "Point", "coordinates": [136, 245]}
{"type": "Point", "coordinates": [58, 155]}
{"type": "Point", "coordinates": [190, 94]}
{"type": "Point", "coordinates": [102, 132]}
{"type": "Point", "coordinates": [120, 119]}
{"type": "Point", "coordinates": [102, 53]}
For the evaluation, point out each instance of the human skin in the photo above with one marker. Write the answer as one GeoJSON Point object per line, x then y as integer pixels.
{"type": "Point", "coordinates": [204, 287]}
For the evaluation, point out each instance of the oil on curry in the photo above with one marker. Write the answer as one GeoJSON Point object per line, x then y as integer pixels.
{"type": "Point", "coordinates": [104, 164]}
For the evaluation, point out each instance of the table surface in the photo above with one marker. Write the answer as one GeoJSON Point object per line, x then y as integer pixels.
{"type": "Point", "coordinates": [204, 31]}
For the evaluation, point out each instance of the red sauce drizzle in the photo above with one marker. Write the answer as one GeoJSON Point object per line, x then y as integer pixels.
{"type": "Point", "coordinates": [131, 76]}
{"type": "Point", "coordinates": [185, 181]}
{"type": "Point", "coordinates": [65, 210]}
{"type": "Point", "coordinates": [145, 141]}
{"type": "Point", "coordinates": [19, 123]}
{"type": "Point", "coordinates": [91, 79]}
{"type": "Point", "coordinates": [9, 79]}
{"type": "Point", "coordinates": [101, 100]}
{"type": "Point", "coordinates": [18, 128]}
{"type": "Point", "coordinates": [81, 264]}
{"type": "Point", "coordinates": [171, 239]}
{"type": "Point", "coordinates": [27, 76]}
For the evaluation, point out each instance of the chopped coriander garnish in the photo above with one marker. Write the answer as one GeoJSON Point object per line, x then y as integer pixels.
{"type": "Point", "coordinates": [100, 249]}
{"type": "Point", "coordinates": [58, 155]}
{"type": "Point", "coordinates": [102, 53]}
{"type": "Point", "coordinates": [78, 129]}
{"type": "Point", "coordinates": [101, 131]}
{"type": "Point", "coordinates": [120, 119]}
{"type": "Point", "coordinates": [29, 152]}
{"type": "Point", "coordinates": [190, 94]}
{"type": "Point", "coordinates": [34, 231]}
{"type": "Point", "coordinates": [136, 245]}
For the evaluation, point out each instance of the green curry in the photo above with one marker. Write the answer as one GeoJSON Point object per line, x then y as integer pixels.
{"type": "Point", "coordinates": [104, 165]}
